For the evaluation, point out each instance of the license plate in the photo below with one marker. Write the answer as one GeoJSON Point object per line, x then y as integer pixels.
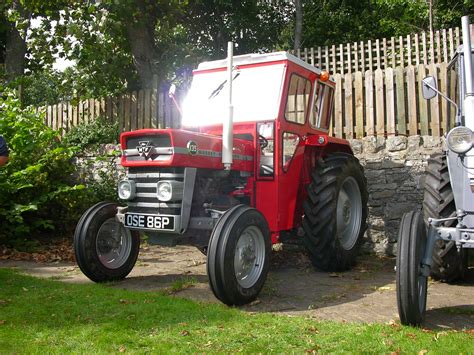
{"type": "Point", "coordinates": [149, 221]}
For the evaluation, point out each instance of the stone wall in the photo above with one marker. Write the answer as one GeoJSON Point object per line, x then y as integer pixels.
{"type": "Point", "coordinates": [394, 168]}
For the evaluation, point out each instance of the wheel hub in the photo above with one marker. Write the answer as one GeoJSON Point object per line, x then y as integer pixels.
{"type": "Point", "coordinates": [113, 244]}
{"type": "Point", "coordinates": [249, 257]}
{"type": "Point", "coordinates": [349, 213]}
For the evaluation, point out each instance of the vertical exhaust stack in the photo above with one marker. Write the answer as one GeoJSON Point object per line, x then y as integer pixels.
{"type": "Point", "coordinates": [227, 129]}
{"type": "Point", "coordinates": [468, 103]}
{"type": "Point", "coordinates": [469, 71]}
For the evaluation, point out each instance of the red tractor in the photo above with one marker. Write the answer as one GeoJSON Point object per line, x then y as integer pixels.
{"type": "Point", "coordinates": [253, 162]}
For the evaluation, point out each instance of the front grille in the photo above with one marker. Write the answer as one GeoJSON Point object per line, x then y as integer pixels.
{"type": "Point", "coordinates": [155, 148]}
{"type": "Point", "coordinates": [145, 182]}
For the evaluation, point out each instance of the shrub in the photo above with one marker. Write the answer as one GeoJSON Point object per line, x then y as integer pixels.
{"type": "Point", "coordinates": [90, 135]}
{"type": "Point", "coordinates": [37, 192]}
{"type": "Point", "coordinates": [96, 167]}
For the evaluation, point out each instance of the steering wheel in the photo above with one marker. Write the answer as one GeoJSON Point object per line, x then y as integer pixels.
{"type": "Point", "coordinates": [262, 141]}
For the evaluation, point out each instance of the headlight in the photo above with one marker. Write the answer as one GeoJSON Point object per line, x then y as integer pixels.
{"type": "Point", "coordinates": [169, 190]}
{"type": "Point", "coordinates": [126, 189]}
{"type": "Point", "coordinates": [460, 139]}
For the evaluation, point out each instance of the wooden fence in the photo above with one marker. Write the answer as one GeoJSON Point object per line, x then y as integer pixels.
{"type": "Point", "coordinates": [379, 102]}
{"type": "Point", "coordinates": [389, 102]}
{"type": "Point", "coordinates": [139, 109]}
{"type": "Point", "coordinates": [424, 48]}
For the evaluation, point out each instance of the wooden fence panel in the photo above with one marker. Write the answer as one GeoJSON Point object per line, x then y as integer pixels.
{"type": "Point", "coordinates": [359, 104]}
{"type": "Point", "coordinates": [400, 101]}
{"type": "Point", "coordinates": [390, 101]}
{"type": "Point", "coordinates": [369, 103]}
{"type": "Point", "coordinates": [348, 100]}
{"type": "Point", "coordinates": [338, 114]}
{"type": "Point", "coordinates": [422, 103]}
{"type": "Point", "coordinates": [421, 48]}
{"type": "Point", "coordinates": [411, 101]}
{"type": "Point", "coordinates": [379, 103]}
{"type": "Point", "coordinates": [434, 105]}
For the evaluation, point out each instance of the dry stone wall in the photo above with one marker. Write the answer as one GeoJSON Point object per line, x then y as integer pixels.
{"type": "Point", "coordinates": [394, 168]}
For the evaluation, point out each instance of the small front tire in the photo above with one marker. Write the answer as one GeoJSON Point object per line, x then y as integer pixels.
{"type": "Point", "coordinates": [105, 250]}
{"type": "Point", "coordinates": [412, 284]}
{"type": "Point", "coordinates": [238, 255]}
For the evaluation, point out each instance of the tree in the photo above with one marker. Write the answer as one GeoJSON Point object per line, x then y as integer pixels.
{"type": "Point", "coordinates": [298, 23]}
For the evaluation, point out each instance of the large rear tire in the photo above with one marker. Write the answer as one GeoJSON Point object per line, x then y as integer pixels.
{"type": "Point", "coordinates": [105, 250]}
{"type": "Point", "coordinates": [238, 257]}
{"type": "Point", "coordinates": [335, 212]}
{"type": "Point", "coordinates": [412, 285]}
{"type": "Point", "coordinates": [438, 202]}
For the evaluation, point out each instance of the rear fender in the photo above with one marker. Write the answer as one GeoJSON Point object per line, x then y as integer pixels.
{"type": "Point", "coordinates": [324, 144]}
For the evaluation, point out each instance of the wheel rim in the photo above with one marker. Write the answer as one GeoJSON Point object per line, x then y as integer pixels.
{"type": "Point", "coordinates": [422, 288]}
{"type": "Point", "coordinates": [113, 244]}
{"type": "Point", "coordinates": [422, 280]}
{"type": "Point", "coordinates": [349, 213]}
{"type": "Point", "coordinates": [249, 256]}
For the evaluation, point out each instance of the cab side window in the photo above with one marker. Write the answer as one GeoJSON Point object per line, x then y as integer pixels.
{"type": "Point", "coordinates": [298, 99]}
{"type": "Point", "coordinates": [322, 107]}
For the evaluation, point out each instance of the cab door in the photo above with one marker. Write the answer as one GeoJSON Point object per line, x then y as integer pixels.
{"type": "Point", "coordinates": [293, 128]}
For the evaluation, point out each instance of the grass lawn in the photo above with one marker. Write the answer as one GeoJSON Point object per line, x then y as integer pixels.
{"type": "Point", "coordinates": [47, 316]}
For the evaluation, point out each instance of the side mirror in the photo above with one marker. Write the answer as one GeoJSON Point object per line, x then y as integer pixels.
{"type": "Point", "coordinates": [429, 88]}
{"type": "Point", "coordinates": [172, 91]}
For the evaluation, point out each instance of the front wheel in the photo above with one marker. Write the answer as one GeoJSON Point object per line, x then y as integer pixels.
{"type": "Point", "coordinates": [105, 250]}
{"type": "Point", "coordinates": [412, 284]}
{"type": "Point", "coordinates": [238, 255]}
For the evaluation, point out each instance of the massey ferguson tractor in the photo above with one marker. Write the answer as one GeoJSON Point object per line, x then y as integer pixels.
{"type": "Point", "coordinates": [437, 241]}
{"type": "Point", "coordinates": [253, 162]}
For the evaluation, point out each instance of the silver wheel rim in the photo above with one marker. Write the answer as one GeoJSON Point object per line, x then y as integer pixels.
{"type": "Point", "coordinates": [249, 256]}
{"type": "Point", "coordinates": [421, 292]}
{"type": "Point", "coordinates": [349, 213]}
{"type": "Point", "coordinates": [113, 244]}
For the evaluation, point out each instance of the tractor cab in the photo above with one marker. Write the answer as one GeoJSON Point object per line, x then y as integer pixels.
{"type": "Point", "coordinates": [280, 103]}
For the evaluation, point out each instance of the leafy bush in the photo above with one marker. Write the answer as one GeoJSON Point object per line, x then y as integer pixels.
{"type": "Point", "coordinates": [91, 134]}
{"type": "Point", "coordinates": [95, 165]}
{"type": "Point", "coordinates": [36, 188]}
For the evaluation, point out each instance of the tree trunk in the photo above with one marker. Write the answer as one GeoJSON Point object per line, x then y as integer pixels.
{"type": "Point", "coordinates": [298, 23]}
{"type": "Point", "coordinates": [15, 46]}
{"type": "Point", "coordinates": [140, 30]}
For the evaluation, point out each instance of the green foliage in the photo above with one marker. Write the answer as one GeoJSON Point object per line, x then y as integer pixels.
{"type": "Point", "coordinates": [91, 134]}
{"type": "Point", "coordinates": [35, 186]}
{"type": "Point", "coordinates": [44, 88]}
{"type": "Point", "coordinates": [95, 160]}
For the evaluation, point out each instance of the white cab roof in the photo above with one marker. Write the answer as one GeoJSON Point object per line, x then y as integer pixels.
{"type": "Point", "coordinates": [258, 58]}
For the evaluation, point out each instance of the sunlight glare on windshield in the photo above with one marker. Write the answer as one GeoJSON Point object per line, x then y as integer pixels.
{"type": "Point", "coordinates": [256, 96]}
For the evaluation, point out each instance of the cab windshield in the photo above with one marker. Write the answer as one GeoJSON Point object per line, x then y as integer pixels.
{"type": "Point", "coordinates": [256, 93]}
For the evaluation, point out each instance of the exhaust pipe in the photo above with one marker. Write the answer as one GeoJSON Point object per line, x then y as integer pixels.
{"type": "Point", "coordinates": [227, 129]}
{"type": "Point", "coordinates": [468, 71]}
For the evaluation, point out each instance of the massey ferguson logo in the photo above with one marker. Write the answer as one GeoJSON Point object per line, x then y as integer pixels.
{"type": "Point", "coordinates": [192, 148]}
{"type": "Point", "coordinates": [145, 148]}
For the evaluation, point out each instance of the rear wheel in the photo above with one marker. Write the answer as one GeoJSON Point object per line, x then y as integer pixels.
{"type": "Point", "coordinates": [105, 250]}
{"type": "Point", "coordinates": [412, 285]}
{"type": "Point", "coordinates": [238, 255]}
{"type": "Point", "coordinates": [438, 202]}
{"type": "Point", "coordinates": [335, 212]}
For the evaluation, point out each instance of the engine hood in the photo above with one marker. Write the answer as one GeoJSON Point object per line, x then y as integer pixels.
{"type": "Point", "coordinates": [177, 147]}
